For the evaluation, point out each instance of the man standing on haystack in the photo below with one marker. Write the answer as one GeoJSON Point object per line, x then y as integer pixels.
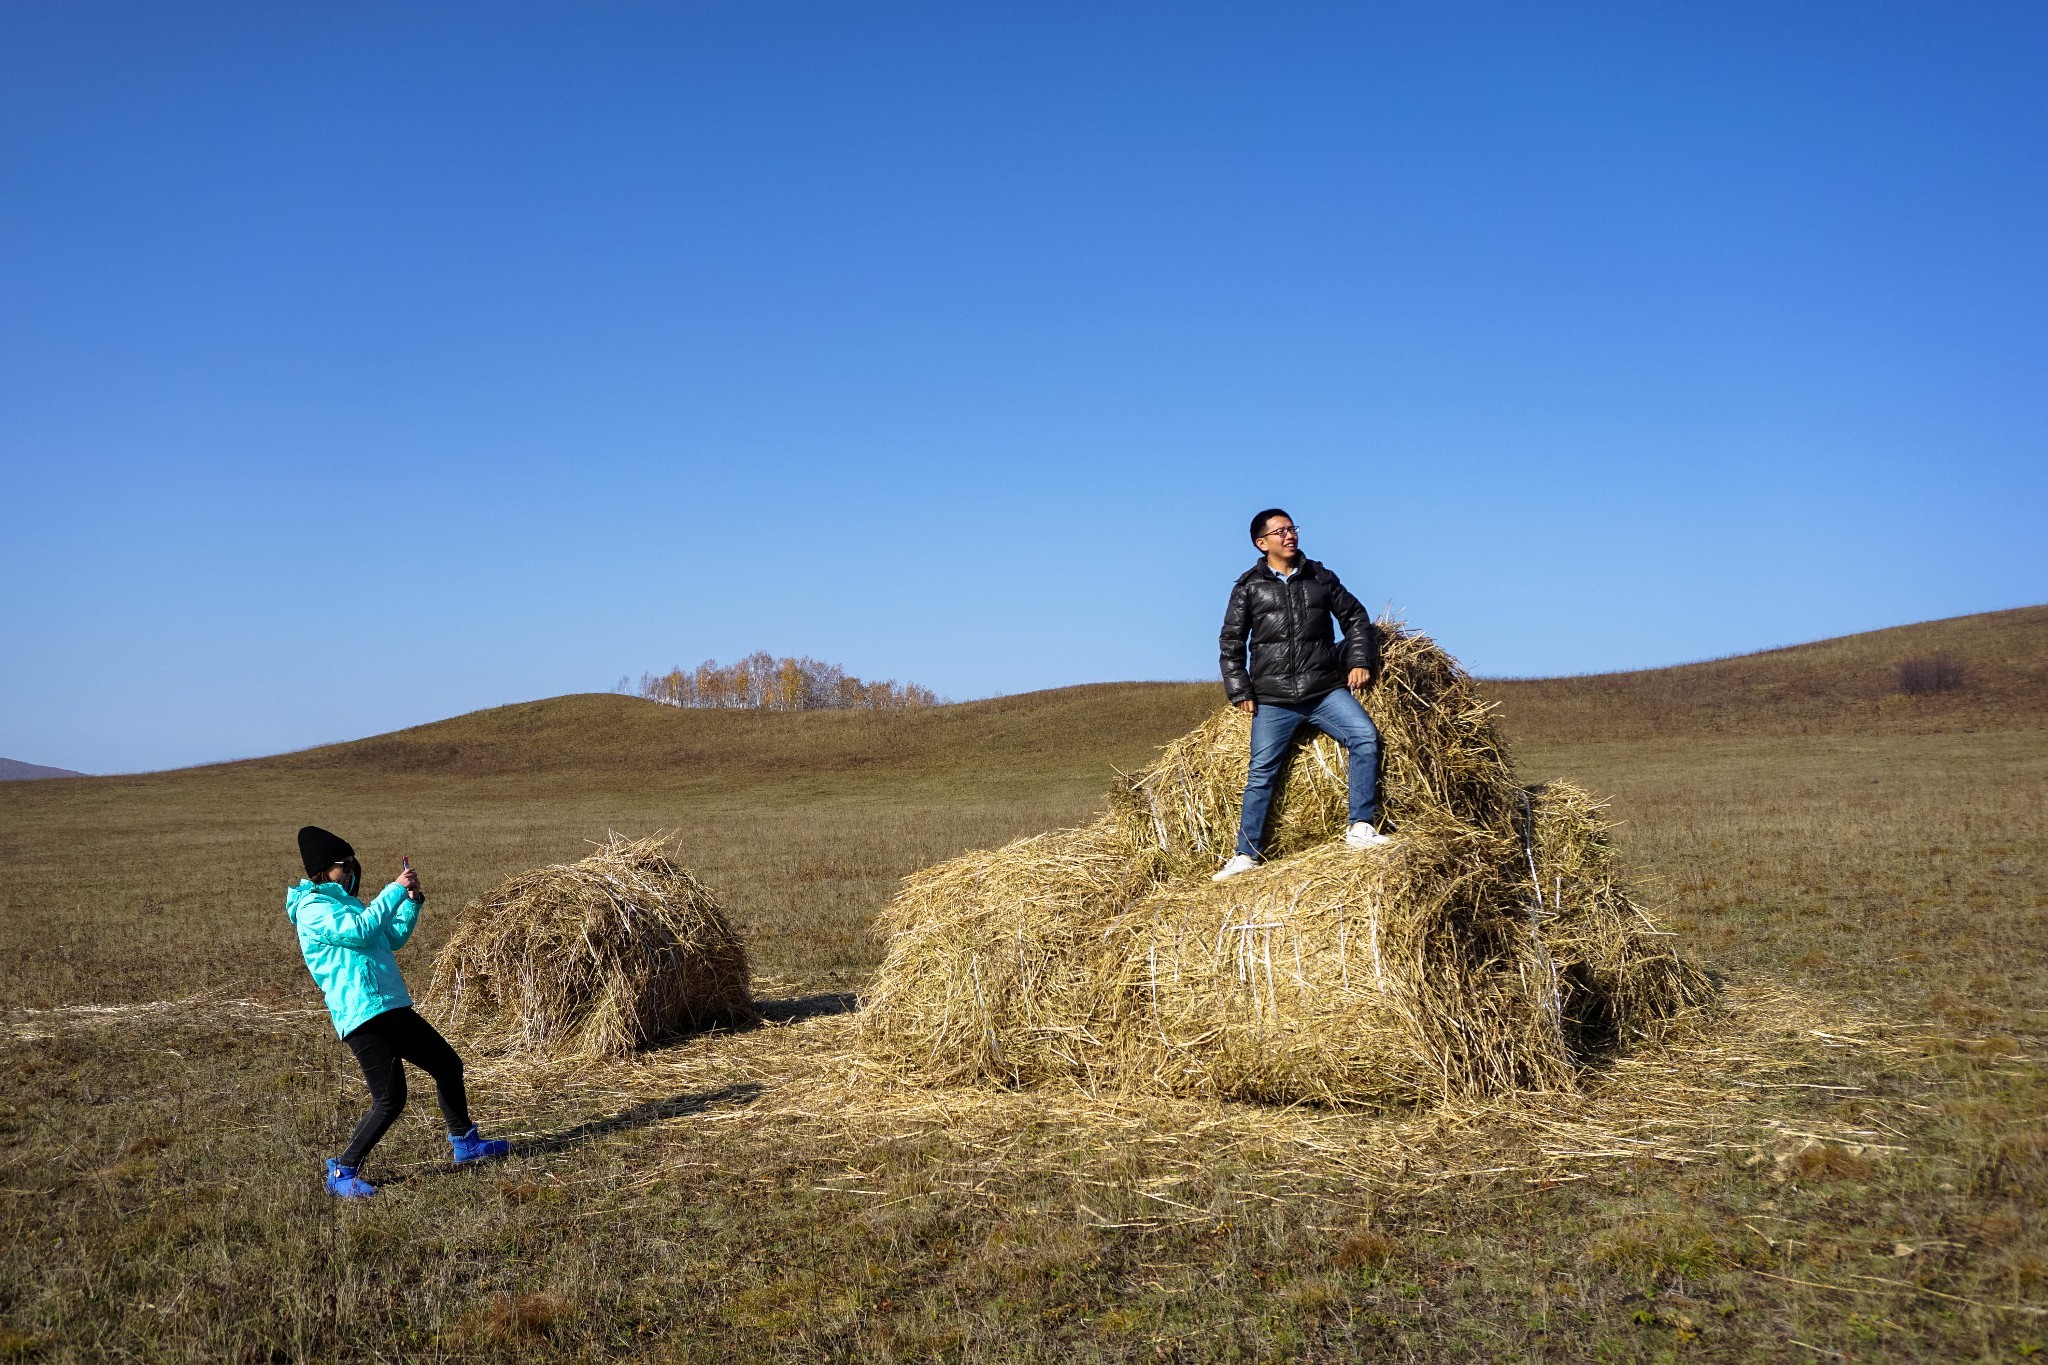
{"type": "Point", "coordinates": [1298, 674]}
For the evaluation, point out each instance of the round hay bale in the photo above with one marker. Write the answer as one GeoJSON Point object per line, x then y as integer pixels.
{"type": "Point", "coordinates": [1441, 757]}
{"type": "Point", "coordinates": [597, 957]}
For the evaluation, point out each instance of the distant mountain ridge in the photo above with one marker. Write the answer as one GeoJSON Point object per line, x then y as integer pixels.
{"type": "Point", "coordinates": [13, 770]}
{"type": "Point", "coordinates": [1848, 685]}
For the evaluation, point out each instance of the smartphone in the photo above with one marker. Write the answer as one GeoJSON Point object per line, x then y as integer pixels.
{"type": "Point", "coordinates": [406, 863]}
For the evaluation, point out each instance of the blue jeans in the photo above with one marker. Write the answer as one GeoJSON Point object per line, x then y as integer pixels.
{"type": "Point", "coordinates": [1337, 715]}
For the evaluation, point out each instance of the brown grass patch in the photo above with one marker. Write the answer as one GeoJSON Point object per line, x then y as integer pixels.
{"type": "Point", "coordinates": [508, 1317]}
{"type": "Point", "coordinates": [1824, 1161]}
{"type": "Point", "coordinates": [1365, 1250]}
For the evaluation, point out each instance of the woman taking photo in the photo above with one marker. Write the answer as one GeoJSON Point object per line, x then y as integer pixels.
{"type": "Point", "coordinates": [348, 948]}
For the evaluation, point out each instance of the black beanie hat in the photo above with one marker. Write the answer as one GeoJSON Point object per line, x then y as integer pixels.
{"type": "Point", "coordinates": [319, 850]}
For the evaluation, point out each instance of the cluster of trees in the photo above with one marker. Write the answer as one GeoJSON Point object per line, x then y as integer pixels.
{"type": "Point", "coordinates": [766, 683]}
{"type": "Point", "coordinates": [1942, 672]}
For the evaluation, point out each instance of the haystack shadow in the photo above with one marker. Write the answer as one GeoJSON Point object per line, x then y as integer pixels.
{"type": "Point", "coordinates": [760, 1014]}
{"type": "Point", "coordinates": [798, 1009]}
{"type": "Point", "coordinates": [642, 1115]}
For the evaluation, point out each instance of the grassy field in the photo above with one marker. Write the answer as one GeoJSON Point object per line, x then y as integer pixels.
{"type": "Point", "coordinates": [1874, 863]}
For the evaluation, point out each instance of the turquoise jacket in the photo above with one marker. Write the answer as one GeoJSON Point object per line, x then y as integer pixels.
{"type": "Point", "coordinates": [348, 948]}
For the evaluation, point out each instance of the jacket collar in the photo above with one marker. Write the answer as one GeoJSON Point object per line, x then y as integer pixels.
{"type": "Point", "coordinates": [308, 888]}
{"type": "Point", "coordinates": [1306, 569]}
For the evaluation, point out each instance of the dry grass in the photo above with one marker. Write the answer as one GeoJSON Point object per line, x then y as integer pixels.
{"type": "Point", "coordinates": [1705, 1087]}
{"type": "Point", "coordinates": [599, 956]}
{"type": "Point", "coordinates": [1872, 898]}
{"type": "Point", "coordinates": [804, 822]}
{"type": "Point", "coordinates": [1906, 870]}
{"type": "Point", "coordinates": [1697, 1093]}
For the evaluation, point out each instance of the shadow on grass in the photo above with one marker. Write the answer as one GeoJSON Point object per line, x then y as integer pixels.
{"type": "Point", "coordinates": [649, 1112]}
{"type": "Point", "coordinates": [803, 1007]}
{"type": "Point", "coordinates": [642, 1115]}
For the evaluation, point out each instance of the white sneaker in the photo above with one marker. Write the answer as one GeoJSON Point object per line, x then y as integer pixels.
{"type": "Point", "coordinates": [1238, 863]}
{"type": "Point", "coordinates": [1362, 835]}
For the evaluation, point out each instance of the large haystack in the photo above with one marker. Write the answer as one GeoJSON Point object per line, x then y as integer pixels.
{"type": "Point", "coordinates": [1431, 968]}
{"type": "Point", "coordinates": [597, 957]}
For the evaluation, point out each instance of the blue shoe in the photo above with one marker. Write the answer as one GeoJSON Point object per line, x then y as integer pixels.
{"type": "Point", "coordinates": [469, 1147]}
{"type": "Point", "coordinates": [344, 1183]}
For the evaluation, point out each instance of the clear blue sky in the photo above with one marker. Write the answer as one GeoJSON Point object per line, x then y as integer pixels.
{"type": "Point", "coordinates": [366, 364]}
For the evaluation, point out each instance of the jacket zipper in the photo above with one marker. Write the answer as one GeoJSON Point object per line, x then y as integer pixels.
{"type": "Point", "coordinates": [1293, 622]}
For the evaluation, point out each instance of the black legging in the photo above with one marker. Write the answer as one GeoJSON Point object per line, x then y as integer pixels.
{"type": "Point", "coordinates": [380, 1045]}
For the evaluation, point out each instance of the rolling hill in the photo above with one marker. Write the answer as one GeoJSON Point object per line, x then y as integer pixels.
{"type": "Point", "coordinates": [1844, 685]}
{"type": "Point", "coordinates": [602, 734]}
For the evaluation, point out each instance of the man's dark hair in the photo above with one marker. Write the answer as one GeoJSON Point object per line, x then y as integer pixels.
{"type": "Point", "coordinates": [1259, 521]}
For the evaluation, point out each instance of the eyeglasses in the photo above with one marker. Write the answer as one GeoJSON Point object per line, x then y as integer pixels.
{"type": "Point", "coordinates": [1283, 532]}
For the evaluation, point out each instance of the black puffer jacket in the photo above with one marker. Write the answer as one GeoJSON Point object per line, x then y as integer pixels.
{"type": "Point", "coordinates": [1295, 656]}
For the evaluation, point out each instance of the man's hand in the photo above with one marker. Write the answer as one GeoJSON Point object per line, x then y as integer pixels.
{"type": "Point", "coordinates": [1358, 678]}
{"type": "Point", "coordinates": [1248, 706]}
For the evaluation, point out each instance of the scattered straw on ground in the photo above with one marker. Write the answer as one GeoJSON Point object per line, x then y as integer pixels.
{"type": "Point", "coordinates": [215, 1009]}
{"type": "Point", "coordinates": [1691, 1096]}
{"type": "Point", "coordinates": [805, 1090]}
{"type": "Point", "coordinates": [596, 957]}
